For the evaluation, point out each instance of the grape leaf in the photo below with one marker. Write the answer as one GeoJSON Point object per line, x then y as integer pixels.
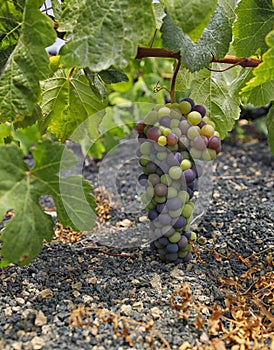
{"type": "Point", "coordinates": [255, 19]}
{"type": "Point", "coordinates": [159, 14]}
{"type": "Point", "coordinates": [11, 14]}
{"type": "Point", "coordinates": [260, 89]}
{"type": "Point", "coordinates": [190, 14]}
{"type": "Point", "coordinates": [218, 92]}
{"type": "Point", "coordinates": [28, 63]}
{"type": "Point", "coordinates": [90, 33]}
{"type": "Point", "coordinates": [21, 188]}
{"type": "Point", "coordinates": [215, 40]}
{"type": "Point", "coordinates": [113, 75]}
{"type": "Point", "coordinates": [67, 102]}
{"type": "Point", "coordinates": [270, 128]}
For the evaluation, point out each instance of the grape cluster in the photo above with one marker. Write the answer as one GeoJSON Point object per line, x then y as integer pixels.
{"type": "Point", "coordinates": [170, 138]}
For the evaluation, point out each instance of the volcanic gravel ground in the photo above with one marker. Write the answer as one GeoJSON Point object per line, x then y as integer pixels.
{"type": "Point", "coordinates": [37, 302]}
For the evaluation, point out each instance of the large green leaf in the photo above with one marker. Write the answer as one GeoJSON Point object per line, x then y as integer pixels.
{"type": "Point", "coordinates": [214, 40]}
{"type": "Point", "coordinates": [67, 102]}
{"type": "Point", "coordinates": [255, 19]}
{"type": "Point", "coordinates": [190, 14]}
{"type": "Point", "coordinates": [11, 14]}
{"type": "Point", "coordinates": [27, 64]}
{"type": "Point", "coordinates": [218, 92]}
{"type": "Point", "coordinates": [21, 188]}
{"type": "Point", "coordinates": [260, 89]}
{"type": "Point", "coordinates": [270, 128]}
{"type": "Point", "coordinates": [106, 32]}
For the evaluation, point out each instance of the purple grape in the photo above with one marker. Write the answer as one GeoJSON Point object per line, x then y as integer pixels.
{"type": "Point", "coordinates": [151, 167]}
{"type": "Point", "coordinates": [174, 203]}
{"type": "Point", "coordinates": [164, 219]}
{"type": "Point", "coordinates": [190, 192]}
{"type": "Point", "coordinates": [172, 248]}
{"type": "Point", "coordinates": [152, 214]}
{"type": "Point", "coordinates": [214, 142]}
{"type": "Point", "coordinates": [188, 257]}
{"type": "Point", "coordinates": [179, 223]}
{"type": "Point", "coordinates": [187, 234]}
{"type": "Point", "coordinates": [165, 121]}
{"type": "Point", "coordinates": [188, 99]}
{"type": "Point", "coordinates": [189, 175]}
{"type": "Point", "coordinates": [153, 134]}
{"type": "Point", "coordinates": [162, 208]}
{"type": "Point", "coordinates": [172, 139]}
{"type": "Point", "coordinates": [183, 242]}
{"type": "Point", "coordinates": [200, 142]}
{"type": "Point", "coordinates": [142, 179]}
{"type": "Point", "coordinates": [164, 241]}
{"type": "Point", "coordinates": [201, 109]}
{"type": "Point", "coordinates": [178, 157]}
{"type": "Point", "coordinates": [160, 190]}
{"type": "Point", "coordinates": [171, 160]}
{"type": "Point", "coordinates": [153, 179]}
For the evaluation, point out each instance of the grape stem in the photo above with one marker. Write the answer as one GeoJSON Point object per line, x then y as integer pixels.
{"type": "Point", "coordinates": [173, 81]}
{"type": "Point", "coordinates": [164, 53]}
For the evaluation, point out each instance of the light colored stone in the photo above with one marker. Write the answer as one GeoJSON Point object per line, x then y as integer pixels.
{"type": "Point", "coordinates": [40, 319]}
{"type": "Point", "coordinates": [126, 310]}
{"type": "Point", "coordinates": [155, 312]}
{"type": "Point", "coordinates": [37, 343]}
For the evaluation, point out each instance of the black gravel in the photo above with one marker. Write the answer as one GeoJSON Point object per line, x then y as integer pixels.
{"type": "Point", "coordinates": [36, 301]}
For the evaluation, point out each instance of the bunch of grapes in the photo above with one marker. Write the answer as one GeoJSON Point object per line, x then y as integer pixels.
{"type": "Point", "coordinates": [170, 138]}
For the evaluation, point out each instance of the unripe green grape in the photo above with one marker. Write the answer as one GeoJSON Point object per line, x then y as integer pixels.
{"type": "Point", "coordinates": [185, 164]}
{"type": "Point", "coordinates": [183, 196]}
{"type": "Point", "coordinates": [193, 237]}
{"type": "Point", "coordinates": [161, 155]}
{"type": "Point", "coordinates": [175, 172]}
{"type": "Point", "coordinates": [145, 147]}
{"type": "Point", "coordinates": [195, 153]}
{"type": "Point", "coordinates": [143, 161]}
{"type": "Point", "coordinates": [151, 118]}
{"type": "Point", "coordinates": [171, 192]}
{"type": "Point", "coordinates": [177, 132]}
{"type": "Point", "coordinates": [174, 123]}
{"type": "Point", "coordinates": [187, 210]}
{"type": "Point", "coordinates": [176, 184]}
{"type": "Point", "coordinates": [175, 213]}
{"type": "Point", "coordinates": [166, 131]}
{"type": "Point", "coordinates": [185, 107]}
{"type": "Point", "coordinates": [174, 114]}
{"type": "Point", "coordinates": [159, 199]}
{"type": "Point", "coordinates": [173, 148]}
{"type": "Point", "coordinates": [208, 154]}
{"type": "Point", "coordinates": [193, 131]}
{"type": "Point", "coordinates": [162, 140]}
{"type": "Point", "coordinates": [182, 253]}
{"type": "Point", "coordinates": [166, 179]}
{"type": "Point", "coordinates": [163, 111]}
{"type": "Point", "coordinates": [194, 118]}
{"type": "Point", "coordinates": [175, 237]}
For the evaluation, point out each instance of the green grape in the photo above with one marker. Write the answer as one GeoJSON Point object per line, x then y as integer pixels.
{"type": "Point", "coordinates": [162, 140]}
{"type": "Point", "coordinates": [175, 213]}
{"type": "Point", "coordinates": [194, 118]}
{"type": "Point", "coordinates": [185, 164]}
{"type": "Point", "coordinates": [183, 196]}
{"type": "Point", "coordinates": [193, 131]}
{"type": "Point", "coordinates": [145, 148]}
{"type": "Point", "coordinates": [175, 237]}
{"type": "Point", "coordinates": [187, 210]}
{"type": "Point", "coordinates": [171, 192]}
{"type": "Point", "coordinates": [175, 172]}
{"type": "Point", "coordinates": [163, 111]}
{"type": "Point", "coordinates": [185, 107]}
{"type": "Point", "coordinates": [151, 118]}
{"type": "Point", "coordinates": [161, 155]}
{"type": "Point", "coordinates": [166, 179]}
{"type": "Point", "coordinates": [160, 199]}
{"type": "Point", "coordinates": [174, 123]}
